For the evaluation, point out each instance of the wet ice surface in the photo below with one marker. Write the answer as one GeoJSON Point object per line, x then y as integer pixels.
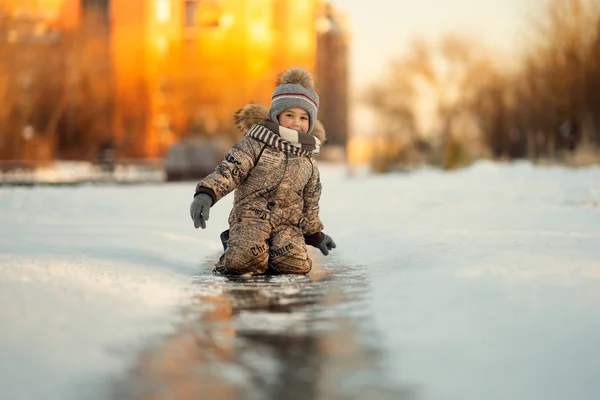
{"type": "Point", "coordinates": [268, 338]}
{"type": "Point", "coordinates": [482, 283]}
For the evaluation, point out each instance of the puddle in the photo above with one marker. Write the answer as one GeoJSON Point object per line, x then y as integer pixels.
{"type": "Point", "coordinates": [292, 337]}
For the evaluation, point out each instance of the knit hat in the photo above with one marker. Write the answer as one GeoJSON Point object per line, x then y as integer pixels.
{"type": "Point", "coordinates": [295, 88]}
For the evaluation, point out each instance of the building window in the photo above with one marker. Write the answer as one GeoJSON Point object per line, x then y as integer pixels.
{"type": "Point", "coordinates": [191, 8]}
{"type": "Point", "coordinates": [163, 10]}
{"type": "Point", "coordinates": [203, 13]}
{"type": "Point", "coordinates": [100, 6]}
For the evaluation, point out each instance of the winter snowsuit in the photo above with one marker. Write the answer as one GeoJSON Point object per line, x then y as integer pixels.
{"type": "Point", "coordinates": [276, 204]}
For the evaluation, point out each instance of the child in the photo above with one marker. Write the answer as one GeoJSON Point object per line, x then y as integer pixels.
{"type": "Point", "coordinates": [277, 187]}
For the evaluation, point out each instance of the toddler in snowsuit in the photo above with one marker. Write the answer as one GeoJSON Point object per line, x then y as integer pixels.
{"type": "Point", "coordinates": [277, 187]}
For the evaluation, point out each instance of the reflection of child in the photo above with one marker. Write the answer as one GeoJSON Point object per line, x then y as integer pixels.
{"type": "Point", "coordinates": [276, 181]}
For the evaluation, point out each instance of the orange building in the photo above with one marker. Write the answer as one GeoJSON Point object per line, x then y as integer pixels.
{"type": "Point", "coordinates": [175, 68]}
{"type": "Point", "coordinates": [29, 35]}
{"type": "Point", "coordinates": [184, 66]}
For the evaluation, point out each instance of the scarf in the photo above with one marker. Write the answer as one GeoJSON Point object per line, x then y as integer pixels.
{"type": "Point", "coordinates": [285, 139]}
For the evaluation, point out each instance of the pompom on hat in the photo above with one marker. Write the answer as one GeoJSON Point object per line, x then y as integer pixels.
{"type": "Point", "coordinates": [295, 88]}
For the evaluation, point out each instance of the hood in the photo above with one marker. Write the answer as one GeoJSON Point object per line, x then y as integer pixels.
{"type": "Point", "coordinates": [255, 113]}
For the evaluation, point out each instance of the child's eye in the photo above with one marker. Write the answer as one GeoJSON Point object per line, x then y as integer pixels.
{"type": "Point", "coordinates": [304, 118]}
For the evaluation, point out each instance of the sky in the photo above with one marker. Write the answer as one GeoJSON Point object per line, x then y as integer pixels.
{"type": "Point", "coordinates": [381, 29]}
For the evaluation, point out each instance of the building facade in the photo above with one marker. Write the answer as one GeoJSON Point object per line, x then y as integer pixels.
{"type": "Point", "coordinates": [175, 68]}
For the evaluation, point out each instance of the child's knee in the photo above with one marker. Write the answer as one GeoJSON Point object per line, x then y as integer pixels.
{"type": "Point", "coordinates": [235, 262]}
{"type": "Point", "coordinates": [301, 264]}
{"type": "Point", "coordinates": [288, 253]}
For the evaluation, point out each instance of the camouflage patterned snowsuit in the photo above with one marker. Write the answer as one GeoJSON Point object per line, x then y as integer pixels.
{"type": "Point", "coordinates": [276, 203]}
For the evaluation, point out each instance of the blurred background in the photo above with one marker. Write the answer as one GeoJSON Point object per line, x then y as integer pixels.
{"type": "Point", "coordinates": [148, 87]}
{"type": "Point", "coordinates": [480, 283]}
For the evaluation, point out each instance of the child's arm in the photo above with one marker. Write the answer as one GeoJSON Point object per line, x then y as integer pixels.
{"type": "Point", "coordinates": [313, 234]}
{"type": "Point", "coordinates": [232, 170]}
{"type": "Point", "coordinates": [312, 195]}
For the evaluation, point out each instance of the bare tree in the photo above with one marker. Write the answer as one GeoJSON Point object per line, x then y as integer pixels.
{"type": "Point", "coordinates": [441, 78]}
{"type": "Point", "coordinates": [545, 107]}
{"type": "Point", "coordinates": [557, 72]}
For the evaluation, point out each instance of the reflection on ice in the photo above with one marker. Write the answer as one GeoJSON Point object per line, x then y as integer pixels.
{"type": "Point", "coordinates": [267, 338]}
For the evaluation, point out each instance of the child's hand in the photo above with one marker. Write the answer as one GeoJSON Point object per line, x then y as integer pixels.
{"type": "Point", "coordinates": [200, 210]}
{"type": "Point", "coordinates": [326, 244]}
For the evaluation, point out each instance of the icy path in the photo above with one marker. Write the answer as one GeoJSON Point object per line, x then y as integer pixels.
{"type": "Point", "coordinates": [482, 283]}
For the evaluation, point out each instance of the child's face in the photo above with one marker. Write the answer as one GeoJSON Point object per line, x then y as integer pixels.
{"type": "Point", "coordinates": [294, 118]}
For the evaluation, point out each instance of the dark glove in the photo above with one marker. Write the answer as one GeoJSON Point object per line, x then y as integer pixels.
{"type": "Point", "coordinates": [200, 210]}
{"type": "Point", "coordinates": [326, 244]}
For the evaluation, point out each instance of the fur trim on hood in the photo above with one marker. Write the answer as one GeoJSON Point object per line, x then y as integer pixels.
{"type": "Point", "coordinates": [255, 113]}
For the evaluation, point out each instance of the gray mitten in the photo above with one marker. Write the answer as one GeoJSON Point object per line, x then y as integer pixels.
{"type": "Point", "coordinates": [200, 210]}
{"type": "Point", "coordinates": [326, 244]}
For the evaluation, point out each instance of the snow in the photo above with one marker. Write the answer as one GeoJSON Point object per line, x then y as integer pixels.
{"type": "Point", "coordinates": [478, 283]}
{"type": "Point", "coordinates": [77, 172]}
